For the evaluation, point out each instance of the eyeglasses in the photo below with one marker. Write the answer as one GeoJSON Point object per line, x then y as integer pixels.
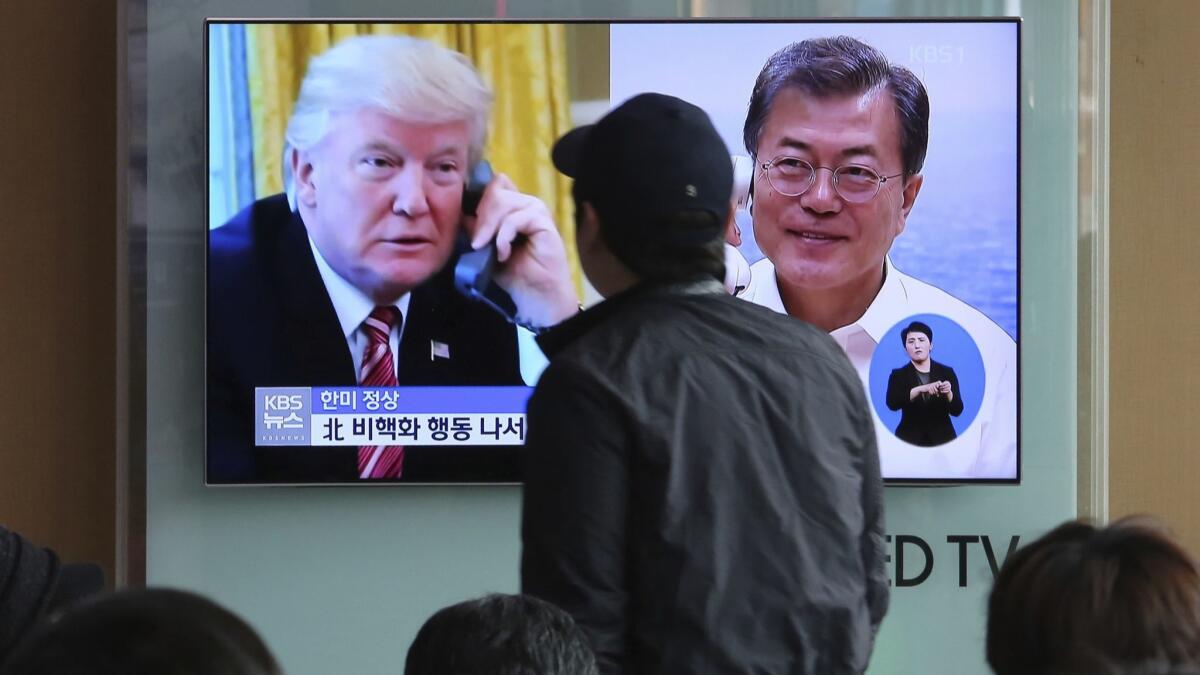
{"type": "Point", "coordinates": [792, 177]}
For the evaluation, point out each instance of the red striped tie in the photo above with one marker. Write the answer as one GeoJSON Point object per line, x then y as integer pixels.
{"type": "Point", "coordinates": [378, 370]}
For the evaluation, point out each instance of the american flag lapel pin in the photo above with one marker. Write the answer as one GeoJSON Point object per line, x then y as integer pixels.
{"type": "Point", "coordinates": [438, 350]}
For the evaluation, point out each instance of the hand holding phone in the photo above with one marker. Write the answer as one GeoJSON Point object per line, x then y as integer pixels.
{"type": "Point", "coordinates": [473, 271]}
{"type": "Point", "coordinates": [529, 262]}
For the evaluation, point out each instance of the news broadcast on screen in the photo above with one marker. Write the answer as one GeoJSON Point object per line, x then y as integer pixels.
{"type": "Point", "coordinates": [387, 236]}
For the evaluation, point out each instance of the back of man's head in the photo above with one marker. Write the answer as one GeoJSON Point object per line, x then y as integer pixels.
{"type": "Point", "coordinates": [1124, 596]}
{"type": "Point", "coordinates": [414, 80]}
{"type": "Point", "coordinates": [660, 180]}
{"type": "Point", "coordinates": [144, 632]}
{"type": "Point", "coordinates": [500, 635]}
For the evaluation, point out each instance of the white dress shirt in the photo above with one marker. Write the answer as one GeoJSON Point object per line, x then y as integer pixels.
{"type": "Point", "coordinates": [988, 447]}
{"type": "Point", "coordinates": [353, 307]}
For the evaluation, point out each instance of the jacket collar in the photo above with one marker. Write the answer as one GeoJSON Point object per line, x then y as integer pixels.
{"type": "Point", "coordinates": [557, 338]}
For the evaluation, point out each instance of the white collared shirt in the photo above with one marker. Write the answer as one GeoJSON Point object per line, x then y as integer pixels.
{"type": "Point", "coordinates": [353, 307]}
{"type": "Point", "coordinates": [988, 447]}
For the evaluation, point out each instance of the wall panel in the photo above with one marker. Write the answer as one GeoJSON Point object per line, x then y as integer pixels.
{"type": "Point", "coordinates": [58, 234]}
{"type": "Point", "coordinates": [1155, 323]}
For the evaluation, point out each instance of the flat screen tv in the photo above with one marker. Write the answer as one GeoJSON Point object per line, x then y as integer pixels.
{"type": "Point", "coordinates": [353, 336]}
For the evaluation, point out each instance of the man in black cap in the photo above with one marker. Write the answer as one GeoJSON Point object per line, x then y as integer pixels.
{"type": "Point", "coordinates": [702, 488]}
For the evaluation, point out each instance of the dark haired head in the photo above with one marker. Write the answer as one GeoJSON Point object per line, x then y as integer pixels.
{"type": "Point", "coordinates": [660, 181]}
{"type": "Point", "coordinates": [500, 635]}
{"type": "Point", "coordinates": [144, 632]}
{"type": "Point", "coordinates": [916, 327]}
{"type": "Point", "coordinates": [1125, 595]}
{"type": "Point", "coordinates": [842, 66]}
{"type": "Point", "coordinates": [659, 259]}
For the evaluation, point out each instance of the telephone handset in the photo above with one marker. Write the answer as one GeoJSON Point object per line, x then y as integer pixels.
{"type": "Point", "coordinates": [743, 181]}
{"type": "Point", "coordinates": [737, 269]}
{"type": "Point", "coordinates": [473, 272]}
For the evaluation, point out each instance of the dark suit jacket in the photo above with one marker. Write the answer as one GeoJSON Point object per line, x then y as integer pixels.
{"type": "Point", "coordinates": [271, 323]}
{"type": "Point", "coordinates": [925, 420]}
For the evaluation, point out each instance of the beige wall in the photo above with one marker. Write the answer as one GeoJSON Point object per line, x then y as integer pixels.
{"type": "Point", "coordinates": [1154, 455]}
{"type": "Point", "coordinates": [57, 274]}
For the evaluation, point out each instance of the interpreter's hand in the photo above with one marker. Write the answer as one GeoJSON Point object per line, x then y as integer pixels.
{"type": "Point", "coordinates": [531, 260]}
{"type": "Point", "coordinates": [943, 387]}
{"type": "Point", "coordinates": [922, 390]}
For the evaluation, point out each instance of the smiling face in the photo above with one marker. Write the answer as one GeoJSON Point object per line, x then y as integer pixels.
{"type": "Point", "coordinates": [818, 241]}
{"type": "Point", "coordinates": [382, 198]}
{"type": "Point", "coordinates": [918, 346]}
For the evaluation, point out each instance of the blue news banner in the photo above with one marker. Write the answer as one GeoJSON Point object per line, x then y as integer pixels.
{"type": "Point", "coordinates": [320, 416]}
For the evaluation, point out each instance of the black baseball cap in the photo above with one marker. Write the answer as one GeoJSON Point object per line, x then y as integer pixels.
{"type": "Point", "coordinates": [652, 156]}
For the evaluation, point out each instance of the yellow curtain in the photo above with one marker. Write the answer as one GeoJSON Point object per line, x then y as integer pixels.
{"type": "Point", "coordinates": [526, 66]}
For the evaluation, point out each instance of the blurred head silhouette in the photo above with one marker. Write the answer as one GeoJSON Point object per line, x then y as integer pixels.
{"type": "Point", "coordinates": [500, 635]}
{"type": "Point", "coordinates": [144, 632]}
{"type": "Point", "coordinates": [1084, 599]}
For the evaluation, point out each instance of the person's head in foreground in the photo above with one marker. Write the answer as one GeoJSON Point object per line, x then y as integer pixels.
{"type": "Point", "coordinates": [500, 635]}
{"type": "Point", "coordinates": [145, 632]}
{"type": "Point", "coordinates": [652, 190]}
{"type": "Point", "coordinates": [838, 137]}
{"type": "Point", "coordinates": [1122, 599]}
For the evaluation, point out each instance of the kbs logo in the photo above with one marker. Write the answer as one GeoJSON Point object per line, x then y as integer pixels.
{"type": "Point", "coordinates": [935, 54]}
{"type": "Point", "coordinates": [283, 402]}
{"type": "Point", "coordinates": [281, 415]}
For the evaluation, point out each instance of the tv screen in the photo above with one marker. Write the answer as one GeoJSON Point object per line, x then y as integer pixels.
{"type": "Point", "coordinates": [357, 335]}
